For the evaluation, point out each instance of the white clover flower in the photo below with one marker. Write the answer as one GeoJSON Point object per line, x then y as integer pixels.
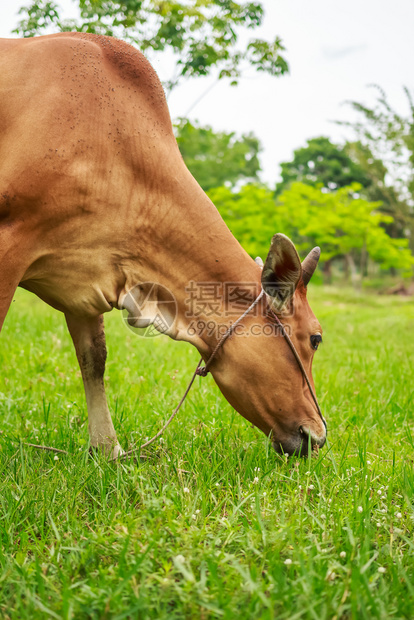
{"type": "Point", "coordinates": [255, 480]}
{"type": "Point", "coordinates": [264, 493]}
{"type": "Point", "coordinates": [398, 515]}
{"type": "Point", "coordinates": [180, 558]}
{"type": "Point", "coordinates": [378, 524]}
{"type": "Point", "coordinates": [194, 517]}
{"type": "Point", "coordinates": [360, 509]}
{"type": "Point", "coordinates": [379, 492]}
{"type": "Point", "coordinates": [311, 487]}
{"type": "Point", "coordinates": [197, 511]}
{"type": "Point", "coordinates": [307, 473]}
{"type": "Point", "coordinates": [342, 554]}
{"type": "Point", "coordinates": [368, 462]}
{"type": "Point", "coordinates": [382, 569]}
{"type": "Point", "coordinates": [56, 458]}
{"type": "Point", "coordinates": [288, 561]}
{"type": "Point", "coordinates": [186, 490]}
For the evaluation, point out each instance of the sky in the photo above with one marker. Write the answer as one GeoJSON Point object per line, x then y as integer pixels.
{"type": "Point", "coordinates": [335, 51]}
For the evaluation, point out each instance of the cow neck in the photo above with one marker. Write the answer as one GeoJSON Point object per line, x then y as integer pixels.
{"type": "Point", "coordinates": [186, 243]}
{"type": "Point", "coordinates": [215, 271]}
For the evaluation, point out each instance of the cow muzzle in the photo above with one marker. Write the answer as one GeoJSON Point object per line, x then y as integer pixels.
{"type": "Point", "coordinates": [303, 442]}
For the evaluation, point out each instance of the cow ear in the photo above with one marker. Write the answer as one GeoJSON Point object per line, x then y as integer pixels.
{"type": "Point", "coordinates": [281, 272]}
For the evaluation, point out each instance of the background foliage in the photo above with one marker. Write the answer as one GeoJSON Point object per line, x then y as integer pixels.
{"type": "Point", "coordinates": [385, 149]}
{"type": "Point", "coordinates": [322, 163]}
{"type": "Point", "coordinates": [218, 158]}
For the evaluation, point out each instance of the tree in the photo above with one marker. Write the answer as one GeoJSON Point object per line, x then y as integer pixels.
{"type": "Point", "coordinates": [385, 136]}
{"type": "Point", "coordinates": [342, 223]}
{"type": "Point", "coordinates": [217, 158]}
{"type": "Point", "coordinates": [203, 34]}
{"type": "Point", "coordinates": [380, 190]}
{"type": "Point", "coordinates": [322, 163]}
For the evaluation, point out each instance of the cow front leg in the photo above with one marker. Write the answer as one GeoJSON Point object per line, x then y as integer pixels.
{"type": "Point", "coordinates": [6, 296]}
{"type": "Point", "coordinates": [89, 339]}
{"type": "Point", "coordinates": [11, 272]}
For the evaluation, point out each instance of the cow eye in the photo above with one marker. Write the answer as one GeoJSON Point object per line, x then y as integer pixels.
{"type": "Point", "coordinates": [316, 339]}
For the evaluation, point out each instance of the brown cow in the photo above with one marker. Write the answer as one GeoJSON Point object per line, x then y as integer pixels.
{"type": "Point", "coordinates": [96, 202]}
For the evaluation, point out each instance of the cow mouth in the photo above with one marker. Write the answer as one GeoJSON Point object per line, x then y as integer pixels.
{"type": "Point", "coordinates": [302, 451]}
{"type": "Point", "coordinates": [302, 446]}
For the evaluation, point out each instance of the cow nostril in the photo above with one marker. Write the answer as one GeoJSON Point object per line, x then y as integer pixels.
{"type": "Point", "coordinates": [305, 432]}
{"type": "Point", "coordinates": [316, 442]}
{"type": "Point", "coordinates": [306, 435]}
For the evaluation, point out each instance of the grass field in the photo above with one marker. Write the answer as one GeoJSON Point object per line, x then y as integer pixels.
{"type": "Point", "coordinates": [212, 524]}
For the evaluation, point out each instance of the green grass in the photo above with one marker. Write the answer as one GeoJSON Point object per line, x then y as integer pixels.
{"type": "Point", "coordinates": [213, 524]}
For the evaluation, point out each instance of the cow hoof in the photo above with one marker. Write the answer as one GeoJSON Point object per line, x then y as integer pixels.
{"type": "Point", "coordinates": [115, 452]}
{"type": "Point", "coordinates": [112, 451]}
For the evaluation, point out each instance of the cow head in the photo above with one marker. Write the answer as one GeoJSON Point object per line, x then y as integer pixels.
{"type": "Point", "coordinates": [257, 371]}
